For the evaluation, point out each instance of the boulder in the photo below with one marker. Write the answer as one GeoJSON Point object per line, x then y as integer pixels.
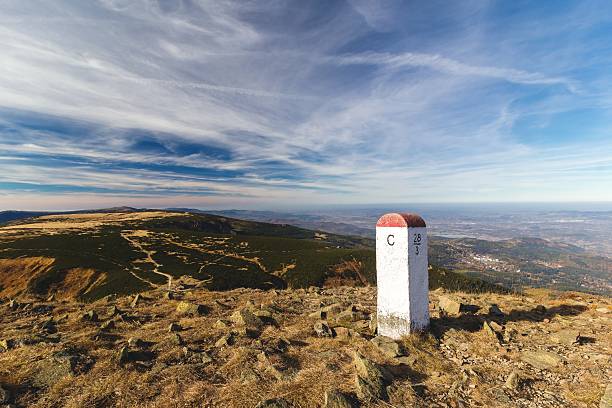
{"type": "Point", "coordinates": [108, 325]}
{"type": "Point", "coordinates": [489, 331]}
{"type": "Point", "coordinates": [91, 316]}
{"type": "Point", "coordinates": [323, 330]}
{"type": "Point", "coordinates": [449, 306]}
{"type": "Point", "coordinates": [6, 344]}
{"type": "Point", "coordinates": [188, 308]}
{"type": "Point", "coordinates": [60, 364]}
{"type": "Point", "coordinates": [387, 346]}
{"type": "Point", "coordinates": [567, 337]}
{"type": "Point", "coordinates": [136, 342]}
{"type": "Point", "coordinates": [513, 381]}
{"type": "Point", "coordinates": [543, 360]}
{"type": "Point", "coordinates": [336, 399]}
{"type": "Point", "coordinates": [371, 379]}
{"type": "Point", "coordinates": [174, 327]}
{"type": "Point", "coordinates": [247, 322]}
{"type": "Point", "coordinates": [5, 396]}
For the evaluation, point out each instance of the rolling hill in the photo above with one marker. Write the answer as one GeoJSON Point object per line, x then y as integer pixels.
{"type": "Point", "coordinates": [92, 255]}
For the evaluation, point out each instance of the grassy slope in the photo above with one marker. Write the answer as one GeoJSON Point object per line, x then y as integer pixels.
{"type": "Point", "coordinates": [231, 246]}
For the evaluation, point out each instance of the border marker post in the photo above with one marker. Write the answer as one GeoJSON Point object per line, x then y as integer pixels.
{"type": "Point", "coordinates": [402, 302]}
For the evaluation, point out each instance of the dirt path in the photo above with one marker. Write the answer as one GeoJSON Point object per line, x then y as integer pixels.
{"type": "Point", "coordinates": [149, 255]}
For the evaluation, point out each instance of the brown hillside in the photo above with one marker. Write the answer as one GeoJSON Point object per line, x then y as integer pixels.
{"type": "Point", "coordinates": [295, 348]}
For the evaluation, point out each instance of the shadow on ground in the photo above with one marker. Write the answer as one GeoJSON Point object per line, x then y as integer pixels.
{"type": "Point", "coordinates": [472, 322]}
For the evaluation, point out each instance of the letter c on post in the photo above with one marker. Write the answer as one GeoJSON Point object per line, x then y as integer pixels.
{"type": "Point", "coordinates": [389, 237]}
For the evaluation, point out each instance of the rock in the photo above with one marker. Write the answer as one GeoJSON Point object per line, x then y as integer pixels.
{"type": "Point", "coordinates": [542, 360]}
{"type": "Point", "coordinates": [370, 390]}
{"type": "Point", "coordinates": [188, 308]}
{"type": "Point", "coordinates": [369, 370]}
{"type": "Point", "coordinates": [606, 399]}
{"type": "Point", "coordinates": [60, 364]}
{"type": "Point", "coordinates": [6, 344]}
{"type": "Point", "coordinates": [248, 324]}
{"type": "Point", "coordinates": [344, 333]}
{"type": "Point", "coordinates": [224, 341]}
{"type": "Point", "coordinates": [336, 399]}
{"type": "Point", "coordinates": [5, 396]}
{"type": "Point", "coordinates": [567, 337]}
{"type": "Point", "coordinates": [267, 366]}
{"type": "Point", "coordinates": [494, 310]}
{"type": "Point", "coordinates": [319, 315]}
{"type": "Point", "coordinates": [333, 309]}
{"type": "Point", "coordinates": [274, 403]}
{"type": "Point", "coordinates": [125, 355]}
{"type": "Point", "coordinates": [449, 306]}
{"type": "Point", "coordinates": [114, 311]}
{"type": "Point", "coordinates": [350, 315]}
{"type": "Point", "coordinates": [91, 316]}
{"type": "Point", "coordinates": [513, 381]}
{"type": "Point", "coordinates": [489, 332]}
{"type": "Point", "coordinates": [323, 330]}
{"type": "Point", "coordinates": [169, 295]}
{"type": "Point", "coordinates": [108, 325]}
{"type": "Point", "coordinates": [387, 346]}
{"type": "Point", "coordinates": [135, 301]}
{"type": "Point", "coordinates": [540, 309]}
{"type": "Point", "coordinates": [221, 324]}
{"type": "Point", "coordinates": [176, 340]}
{"type": "Point", "coordinates": [174, 327]}
{"type": "Point", "coordinates": [206, 358]}
{"type": "Point", "coordinates": [136, 342]}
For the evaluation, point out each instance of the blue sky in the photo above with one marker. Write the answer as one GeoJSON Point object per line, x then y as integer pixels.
{"type": "Point", "coordinates": [269, 104]}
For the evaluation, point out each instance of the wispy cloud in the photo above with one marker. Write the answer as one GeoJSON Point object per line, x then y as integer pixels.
{"type": "Point", "coordinates": [277, 104]}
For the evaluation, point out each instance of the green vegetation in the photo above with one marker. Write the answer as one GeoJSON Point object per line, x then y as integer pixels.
{"type": "Point", "coordinates": [221, 253]}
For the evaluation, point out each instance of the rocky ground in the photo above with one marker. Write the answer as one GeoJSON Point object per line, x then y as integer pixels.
{"type": "Point", "coordinates": [304, 348]}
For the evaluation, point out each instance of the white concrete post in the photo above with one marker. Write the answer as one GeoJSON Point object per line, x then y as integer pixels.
{"type": "Point", "coordinates": [401, 275]}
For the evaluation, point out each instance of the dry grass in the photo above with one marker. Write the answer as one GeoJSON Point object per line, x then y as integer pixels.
{"type": "Point", "coordinates": [251, 370]}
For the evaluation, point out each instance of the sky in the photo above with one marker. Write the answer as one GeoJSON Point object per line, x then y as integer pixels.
{"type": "Point", "coordinates": [274, 104]}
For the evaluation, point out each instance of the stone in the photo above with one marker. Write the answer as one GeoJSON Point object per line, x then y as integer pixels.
{"type": "Point", "coordinates": [6, 344]}
{"type": "Point", "coordinates": [59, 365]}
{"type": "Point", "coordinates": [274, 403]}
{"type": "Point", "coordinates": [319, 314]}
{"type": "Point", "coordinates": [221, 324]}
{"type": "Point", "coordinates": [108, 325]}
{"type": "Point", "coordinates": [176, 339]}
{"type": "Point", "coordinates": [513, 381]}
{"type": "Point", "coordinates": [225, 341]}
{"type": "Point", "coordinates": [136, 342]}
{"type": "Point", "coordinates": [114, 311]}
{"type": "Point", "coordinates": [206, 358]}
{"type": "Point", "coordinates": [373, 324]}
{"type": "Point", "coordinates": [494, 310]}
{"type": "Point", "coordinates": [169, 295]}
{"type": "Point", "coordinates": [125, 355]}
{"type": "Point", "coordinates": [174, 327]}
{"type": "Point", "coordinates": [322, 329]}
{"type": "Point", "coordinates": [370, 390]}
{"type": "Point", "coordinates": [606, 399]}
{"type": "Point", "coordinates": [387, 346]}
{"type": "Point", "coordinates": [91, 316]}
{"type": "Point", "coordinates": [135, 301]}
{"type": "Point", "coordinates": [543, 360]}
{"type": "Point", "coordinates": [370, 370]}
{"type": "Point", "coordinates": [188, 308]}
{"type": "Point", "coordinates": [567, 337]}
{"type": "Point", "coordinates": [344, 333]}
{"type": "Point", "coordinates": [540, 309]}
{"type": "Point", "coordinates": [333, 309]}
{"type": "Point", "coordinates": [489, 332]}
{"type": "Point", "coordinates": [248, 324]}
{"type": "Point", "coordinates": [336, 399]}
{"type": "Point", "coordinates": [5, 396]}
{"type": "Point", "coordinates": [449, 306]}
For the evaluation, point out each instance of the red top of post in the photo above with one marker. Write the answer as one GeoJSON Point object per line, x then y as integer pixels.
{"type": "Point", "coordinates": [400, 220]}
